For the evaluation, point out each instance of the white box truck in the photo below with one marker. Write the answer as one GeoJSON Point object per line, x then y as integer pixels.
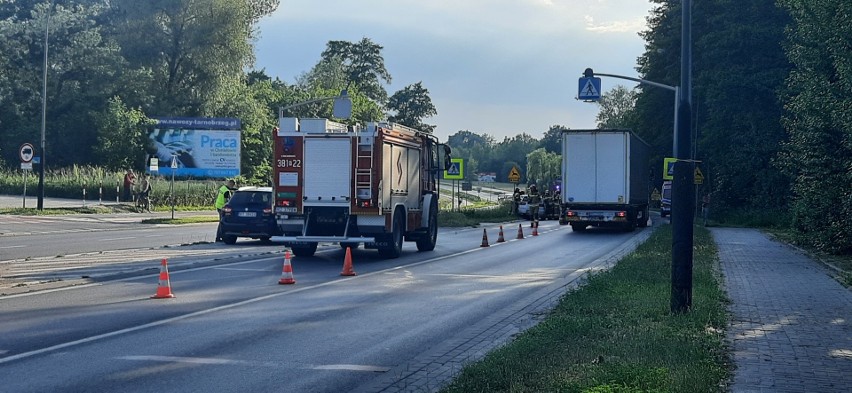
{"type": "Point", "coordinates": [605, 179]}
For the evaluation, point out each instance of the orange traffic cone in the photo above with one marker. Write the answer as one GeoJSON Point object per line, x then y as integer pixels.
{"type": "Point", "coordinates": [287, 270]}
{"type": "Point", "coordinates": [484, 239]}
{"type": "Point", "coordinates": [164, 287]}
{"type": "Point", "coordinates": [500, 238]}
{"type": "Point", "coordinates": [347, 264]}
{"type": "Point", "coordinates": [520, 231]}
{"type": "Point", "coordinates": [535, 229]}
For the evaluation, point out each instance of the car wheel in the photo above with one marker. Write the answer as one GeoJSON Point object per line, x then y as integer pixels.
{"type": "Point", "coordinates": [229, 239]}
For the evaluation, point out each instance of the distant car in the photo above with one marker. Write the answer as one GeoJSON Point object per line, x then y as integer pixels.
{"type": "Point", "coordinates": [249, 214]}
{"type": "Point", "coordinates": [524, 208]}
{"type": "Point", "coordinates": [666, 200]}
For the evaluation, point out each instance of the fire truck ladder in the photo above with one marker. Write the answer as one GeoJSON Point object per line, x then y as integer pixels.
{"type": "Point", "coordinates": [364, 169]}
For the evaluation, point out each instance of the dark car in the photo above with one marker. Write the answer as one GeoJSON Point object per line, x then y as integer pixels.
{"type": "Point", "coordinates": [249, 214]}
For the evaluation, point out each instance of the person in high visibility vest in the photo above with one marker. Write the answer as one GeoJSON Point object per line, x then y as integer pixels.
{"type": "Point", "coordinates": [222, 198]}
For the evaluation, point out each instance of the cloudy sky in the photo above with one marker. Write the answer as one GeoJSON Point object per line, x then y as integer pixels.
{"type": "Point", "coordinates": [497, 67]}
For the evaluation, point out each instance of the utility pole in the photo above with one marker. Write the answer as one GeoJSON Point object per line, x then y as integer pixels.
{"type": "Point", "coordinates": [42, 159]}
{"type": "Point", "coordinates": [683, 194]}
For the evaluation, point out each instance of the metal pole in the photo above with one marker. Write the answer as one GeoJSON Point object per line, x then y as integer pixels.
{"type": "Point", "coordinates": [43, 159]}
{"type": "Point", "coordinates": [682, 190]}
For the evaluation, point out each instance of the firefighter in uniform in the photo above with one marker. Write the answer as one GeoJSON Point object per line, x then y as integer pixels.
{"type": "Point", "coordinates": [535, 201]}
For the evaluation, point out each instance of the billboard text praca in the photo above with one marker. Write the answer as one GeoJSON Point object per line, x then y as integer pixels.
{"type": "Point", "coordinates": [198, 147]}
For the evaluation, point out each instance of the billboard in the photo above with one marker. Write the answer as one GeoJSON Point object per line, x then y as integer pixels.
{"type": "Point", "coordinates": [196, 147]}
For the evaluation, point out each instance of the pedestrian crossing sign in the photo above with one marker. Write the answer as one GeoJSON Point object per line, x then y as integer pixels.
{"type": "Point", "coordinates": [589, 89]}
{"type": "Point", "coordinates": [456, 169]}
{"type": "Point", "coordinates": [668, 168]}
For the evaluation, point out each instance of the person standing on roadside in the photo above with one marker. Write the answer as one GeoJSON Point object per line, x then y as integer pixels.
{"type": "Point", "coordinates": [129, 182]}
{"type": "Point", "coordinates": [222, 198]}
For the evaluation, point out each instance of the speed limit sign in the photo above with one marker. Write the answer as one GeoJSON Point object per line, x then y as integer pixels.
{"type": "Point", "coordinates": [27, 152]}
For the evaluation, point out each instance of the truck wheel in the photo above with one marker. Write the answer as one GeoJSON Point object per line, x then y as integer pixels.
{"type": "Point", "coordinates": [643, 221]}
{"type": "Point", "coordinates": [395, 248]}
{"type": "Point", "coordinates": [428, 243]}
{"type": "Point", "coordinates": [578, 227]}
{"type": "Point", "coordinates": [305, 250]}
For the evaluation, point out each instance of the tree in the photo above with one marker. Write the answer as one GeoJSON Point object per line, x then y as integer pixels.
{"type": "Point", "coordinates": [121, 132]}
{"type": "Point", "coordinates": [543, 167]}
{"type": "Point", "coordinates": [818, 121]}
{"type": "Point", "coordinates": [552, 140]}
{"type": "Point", "coordinates": [411, 105]}
{"type": "Point", "coordinates": [362, 64]}
{"type": "Point", "coordinates": [617, 109]}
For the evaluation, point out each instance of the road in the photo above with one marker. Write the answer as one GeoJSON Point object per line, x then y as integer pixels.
{"type": "Point", "coordinates": [407, 324]}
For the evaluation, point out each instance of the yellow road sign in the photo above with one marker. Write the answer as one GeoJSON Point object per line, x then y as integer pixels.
{"type": "Point", "coordinates": [514, 175]}
{"type": "Point", "coordinates": [699, 177]}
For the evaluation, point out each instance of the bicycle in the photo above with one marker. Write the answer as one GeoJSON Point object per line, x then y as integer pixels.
{"type": "Point", "coordinates": [143, 202]}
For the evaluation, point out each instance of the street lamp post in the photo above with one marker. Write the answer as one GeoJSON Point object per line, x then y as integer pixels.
{"type": "Point", "coordinates": [683, 194]}
{"type": "Point", "coordinates": [42, 159]}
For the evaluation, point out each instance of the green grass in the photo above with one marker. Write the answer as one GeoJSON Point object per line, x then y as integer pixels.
{"type": "Point", "coordinates": [616, 333]}
{"type": "Point", "coordinates": [181, 220]}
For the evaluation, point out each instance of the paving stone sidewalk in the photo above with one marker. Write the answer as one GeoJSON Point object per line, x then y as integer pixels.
{"type": "Point", "coordinates": [791, 323]}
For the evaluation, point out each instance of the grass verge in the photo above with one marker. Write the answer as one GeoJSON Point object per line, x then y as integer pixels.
{"type": "Point", "coordinates": [616, 333]}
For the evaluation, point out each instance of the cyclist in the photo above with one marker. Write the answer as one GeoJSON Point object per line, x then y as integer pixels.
{"type": "Point", "coordinates": [144, 190]}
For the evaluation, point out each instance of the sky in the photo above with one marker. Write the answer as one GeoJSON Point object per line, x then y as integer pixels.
{"type": "Point", "coordinates": [496, 67]}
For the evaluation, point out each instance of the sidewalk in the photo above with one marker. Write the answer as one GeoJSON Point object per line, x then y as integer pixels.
{"type": "Point", "coordinates": [791, 323]}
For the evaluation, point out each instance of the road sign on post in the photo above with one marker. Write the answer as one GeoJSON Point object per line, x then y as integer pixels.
{"type": "Point", "coordinates": [589, 89]}
{"type": "Point", "coordinates": [27, 153]}
{"type": "Point", "coordinates": [456, 169]}
{"type": "Point", "coordinates": [514, 175]}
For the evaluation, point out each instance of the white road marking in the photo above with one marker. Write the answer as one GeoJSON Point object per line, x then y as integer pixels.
{"type": "Point", "coordinates": [118, 238]}
{"type": "Point", "coordinates": [219, 361]}
{"type": "Point", "coordinates": [14, 246]}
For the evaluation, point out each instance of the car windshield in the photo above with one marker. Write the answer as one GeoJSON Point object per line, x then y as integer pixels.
{"type": "Point", "coordinates": [251, 198]}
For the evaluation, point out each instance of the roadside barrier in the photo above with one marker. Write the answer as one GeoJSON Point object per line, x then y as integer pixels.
{"type": "Point", "coordinates": [484, 239]}
{"type": "Point", "coordinates": [164, 287]}
{"type": "Point", "coordinates": [287, 270]}
{"type": "Point", "coordinates": [500, 238]}
{"type": "Point", "coordinates": [347, 264]}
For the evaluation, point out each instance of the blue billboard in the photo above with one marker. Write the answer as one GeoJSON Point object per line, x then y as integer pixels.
{"type": "Point", "coordinates": [196, 147]}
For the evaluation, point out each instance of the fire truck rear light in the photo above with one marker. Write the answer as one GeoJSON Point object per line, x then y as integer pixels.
{"type": "Point", "coordinates": [570, 213]}
{"type": "Point", "coordinates": [621, 214]}
{"type": "Point", "coordinates": [365, 204]}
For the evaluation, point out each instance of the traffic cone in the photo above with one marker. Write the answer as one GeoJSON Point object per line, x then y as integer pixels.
{"type": "Point", "coordinates": [484, 239]}
{"type": "Point", "coordinates": [347, 264]}
{"type": "Point", "coordinates": [287, 270]}
{"type": "Point", "coordinates": [164, 287]}
{"type": "Point", "coordinates": [535, 229]}
{"type": "Point", "coordinates": [520, 231]}
{"type": "Point", "coordinates": [500, 238]}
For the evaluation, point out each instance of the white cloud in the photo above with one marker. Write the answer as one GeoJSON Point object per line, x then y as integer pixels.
{"type": "Point", "coordinates": [491, 66]}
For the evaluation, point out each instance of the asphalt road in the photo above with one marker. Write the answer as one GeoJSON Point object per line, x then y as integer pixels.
{"type": "Point", "coordinates": [405, 324]}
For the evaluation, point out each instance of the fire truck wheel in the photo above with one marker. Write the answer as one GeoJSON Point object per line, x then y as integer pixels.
{"type": "Point", "coordinates": [304, 250]}
{"type": "Point", "coordinates": [348, 245]}
{"type": "Point", "coordinates": [578, 227]}
{"type": "Point", "coordinates": [395, 238]}
{"type": "Point", "coordinates": [428, 243]}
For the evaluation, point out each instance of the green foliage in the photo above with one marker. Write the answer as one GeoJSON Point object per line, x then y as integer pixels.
{"type": "Point", "coordinates": [543, 167]}
{"type": "Point", "coordinates": [362, 64]}
{"type": "Point", "coordinates": [617, 109]}
{"type": "Point", "coordinates": [412, 104]}
{"type": "Point", "coordinates": [818, 155]}
{"type": "Point", "coordinates": [121, 131]}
